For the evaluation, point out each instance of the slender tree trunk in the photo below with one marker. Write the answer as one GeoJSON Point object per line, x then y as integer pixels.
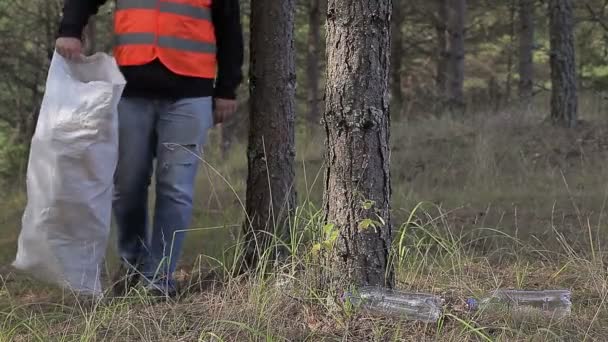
{"type": "Point", "coordinates": [270, 183]}
{"type": "Point", "coordinates": [564, 100]}
{"type": "Point", "coordinates": [526, 50]}
{"type": "Point", "coordinates": [313, 57]}
{"type": "Point", "coordinates": [512, 11]}
{"type": "Point", "coordinates": [494, 94]}
{"type": "Point", "coordinates": [357, 120]}
{"type": "Point", "coordinates": [443, 54]}
{"type": "Point", "coordinates": [457, 12]}
{"type": "Point", "coordinates": [233, 129]}
{"type": "Point", "coordinates": [90, 34]}
{"type": "Point", "coordinates": [397, 55]}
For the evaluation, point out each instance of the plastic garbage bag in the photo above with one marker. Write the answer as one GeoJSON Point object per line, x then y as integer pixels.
{"type": "Point", "coordinates": [73, 155]}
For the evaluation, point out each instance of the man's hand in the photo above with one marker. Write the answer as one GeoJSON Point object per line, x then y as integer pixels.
{"type": "Point", "coordinates": [223, 109]}
{"type": "Point", "coordinates": [68, 47]}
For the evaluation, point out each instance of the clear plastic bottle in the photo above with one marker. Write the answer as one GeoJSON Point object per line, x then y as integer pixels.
{"type": "Point", "coordinates": [554, 303]}
{"type": "Point", "coordinates": [412, 306]}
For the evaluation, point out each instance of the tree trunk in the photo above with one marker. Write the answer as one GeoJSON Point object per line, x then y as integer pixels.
{"type": "Point", "coordinates": [457, 12]}
{"type": "Point", "coordinates": [313, 57]}
{"type": "Point", "coordinates": [234, 129]}
{"type": "Point", "coordinates": [512, 11]}
{"type": "Point", "coordinates": [357, 120]}
{"type": "Point", "coordinates": [526, 50]}
{"type": "Point", "coordinates": [397, 55]}
{"type": "Point", "coordinates": [271, 152]}
{"type": "Point", "coordinates": [563, 64]}
{"type": "Point", "coordinates": [443, 54]}
{"type": "Point", "coordinates": [90, 33]}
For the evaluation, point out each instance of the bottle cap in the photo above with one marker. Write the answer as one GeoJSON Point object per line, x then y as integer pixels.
{"type": "Point", "coordinates": [472, 304]}
{"type": "Point", "coordinates": [346, 295]}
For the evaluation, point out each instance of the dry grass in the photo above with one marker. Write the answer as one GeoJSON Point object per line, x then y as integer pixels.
{"type": "Point", "coordinates": [508, 202]}
{"type": "Point", "coordinates": [430, 257]}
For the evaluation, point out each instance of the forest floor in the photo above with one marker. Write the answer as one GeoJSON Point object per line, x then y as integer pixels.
{"type": "Point", "coordinates": [493, 201]}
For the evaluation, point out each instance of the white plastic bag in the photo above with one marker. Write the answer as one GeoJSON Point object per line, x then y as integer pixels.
{"type": "Point", "coordinates": [73, 155]}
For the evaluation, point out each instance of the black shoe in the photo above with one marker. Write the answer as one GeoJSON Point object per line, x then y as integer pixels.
{"type": "Point", "coordinates": [162, 289]}
{"type": "Point", "coordinates": [125, 278]}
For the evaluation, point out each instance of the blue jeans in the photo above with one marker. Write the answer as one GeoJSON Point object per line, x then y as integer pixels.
{"type": "Point", "coordinates": [173, 133]}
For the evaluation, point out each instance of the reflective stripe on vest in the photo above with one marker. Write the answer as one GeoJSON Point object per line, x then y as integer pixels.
{"type": "Point", "coordinates": [179, 32]}
{"type": "Point", "coordinates": [195, 12]}
{"type": "Point", "coordinates": [165, 42]}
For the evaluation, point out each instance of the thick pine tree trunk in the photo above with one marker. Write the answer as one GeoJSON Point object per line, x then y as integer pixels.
{"type": "Point", "coordinates": [271, 152]}
{"type": "Point", "coordinates": [526, 50]}
{"type": "Point", "coordinates": [313, 57]}
{"type": "Point", "coordinates": [357, 123]}
{"type": "Point", "coordinates": [457, 12]}
{"type": "Point", "coordinates": [443, 54]}
{"type": "Point", "coordinates": [397, 55]}
{"type": "Point", "coordinates": [564, 100]}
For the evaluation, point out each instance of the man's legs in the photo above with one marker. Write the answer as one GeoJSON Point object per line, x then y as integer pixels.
{"type": "Point", "coordinates": [182, 129]}
{"type": "Point", "coordinates": [137, 141]}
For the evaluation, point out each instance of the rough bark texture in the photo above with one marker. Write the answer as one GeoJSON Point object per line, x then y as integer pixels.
{"type": "Point", "coordinates": [443, 54]}
{"type": "Point", "coordinates": [313, 57]}
{"type": "Point", "coordinates": [563, 64]}
{"type": "Point", "coordinates": [457, 12]}
{"type": "Point", "coordinates": [357, 123]}
{"type": "Point", "coordinates": [271, 152]}
{"type": "Point", "coordinates": [397, 55]}
{"type": "Point", "coordinates": [526, 49]}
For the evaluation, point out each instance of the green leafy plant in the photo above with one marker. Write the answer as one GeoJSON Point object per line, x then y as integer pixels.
{"type": "Point", "coordinates": [329, 237]}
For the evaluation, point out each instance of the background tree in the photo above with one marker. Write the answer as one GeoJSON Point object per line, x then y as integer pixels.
{"type": "Point", "coordinates": [442, 53]}
{"type": "Point", "coordinates": [526, 49]}
{"type": "Point", "coordinates": [90, 36]}
{"type": "Point", "coordinates": [313, 57]}
{"type": "Point", "coordinates": [358, 188]}
{"type": "Point", "coordinates": [397, 55]}
{"type": "Point", "coordinates": [456, 30]}
{"type": "Point", "coordinates": [564, 101]}
{"type": "Point", "coordinates": [271, 150]}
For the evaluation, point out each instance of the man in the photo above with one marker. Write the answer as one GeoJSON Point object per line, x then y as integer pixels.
{"type": "Point", "coordinates": [170, 53]}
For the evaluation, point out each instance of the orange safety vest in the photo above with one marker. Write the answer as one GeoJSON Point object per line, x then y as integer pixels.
{"type": "Point", "coordinates": [178, 32]}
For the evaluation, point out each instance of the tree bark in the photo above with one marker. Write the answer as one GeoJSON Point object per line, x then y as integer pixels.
{"type": "Point", "coordinates": [457, 12]}
{"type": "Point", "coordinates": [443, 54]}
{"type": "Point", "coordinates": [90, 36]}
{"type": "Point", "coordinates": [526, 50]}
{"type": "Point", "coordinates": [397, 55]}
{"type": "Point", "coordinates": [235, 128]}
{"type": "Point", "coordinates": [508, 86]}
{"type": "Point", "coordinates": [313, 57]}
{"type": "Point", "coordinates": [271, 195]}
{"type": "Point", "coordinates": [357, 121]}
{"type": "Point", "coordinates": [564, 100]}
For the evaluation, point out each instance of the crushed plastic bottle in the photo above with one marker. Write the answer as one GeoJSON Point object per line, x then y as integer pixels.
{"type": "Point", "coordinates": [412, 306]}
{"type": "Point", "coordinates": [554, 303]}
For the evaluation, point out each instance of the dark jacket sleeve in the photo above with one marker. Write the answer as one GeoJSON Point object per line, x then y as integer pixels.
{"type": "Point", "coordinates": [76, 14]}
{"type": "Point", "coordinates": [226, 18]}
